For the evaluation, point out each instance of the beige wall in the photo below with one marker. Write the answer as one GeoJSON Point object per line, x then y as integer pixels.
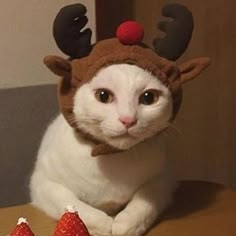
{"type": "Point", "coordinates": [26, 37]}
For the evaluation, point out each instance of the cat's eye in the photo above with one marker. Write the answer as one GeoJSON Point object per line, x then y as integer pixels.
{"type": "Point", "coordinates": [149, 97]}
{"type": "Point", "coordinates": [104, 96]}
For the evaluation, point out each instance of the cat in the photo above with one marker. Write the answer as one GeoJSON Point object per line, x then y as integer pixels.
{"type": "Point", "coordinates": [119, 193]}
{"type": "Point", "coordinates": [106, 154]}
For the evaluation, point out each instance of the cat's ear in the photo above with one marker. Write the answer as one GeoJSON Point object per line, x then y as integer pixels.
{"type": "Point", "coordinates": [192, 68]}
{"type": "Point", "coordinates": [58, 65]}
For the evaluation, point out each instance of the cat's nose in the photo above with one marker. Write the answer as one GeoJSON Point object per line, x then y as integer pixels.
{"type": "Point", "coordinates": [128, 121]}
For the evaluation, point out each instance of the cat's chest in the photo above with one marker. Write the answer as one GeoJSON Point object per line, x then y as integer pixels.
{"type": "Point", "coordinates": [114, 177]}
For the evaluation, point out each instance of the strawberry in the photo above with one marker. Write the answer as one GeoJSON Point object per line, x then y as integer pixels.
{"type": "Point", "coordinates": [22, 229]}
{"type": "Point", "coordinates": [70, 224]}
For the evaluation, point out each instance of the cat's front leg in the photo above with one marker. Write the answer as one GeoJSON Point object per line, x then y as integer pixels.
{"type": "Point", "coordinates": [53, 198]}
{"type": "Point", "coordinates": [145, 207]}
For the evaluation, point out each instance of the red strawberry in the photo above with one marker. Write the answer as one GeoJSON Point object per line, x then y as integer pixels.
{"type": "Point", "coordinates": [22, 229]}
{"type": "Point", "coordinates": [70, 224]}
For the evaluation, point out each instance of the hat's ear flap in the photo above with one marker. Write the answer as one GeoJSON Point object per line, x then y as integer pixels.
{"type": "Point", "coordinates": [192, 68]}
{"type": "Point", "coordinates": [58, 65]}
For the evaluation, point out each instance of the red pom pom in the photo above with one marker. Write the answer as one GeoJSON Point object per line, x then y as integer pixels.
{"type": "Point", "coordinates": [130, 32]}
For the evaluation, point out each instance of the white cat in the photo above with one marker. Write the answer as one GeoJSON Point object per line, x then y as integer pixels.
{"type": "Point", "coordinates": [118, 194]}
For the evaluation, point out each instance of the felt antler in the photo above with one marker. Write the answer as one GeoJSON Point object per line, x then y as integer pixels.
{"type": "Point", "coordinates": [178, 32]}
{"type": "Point", "coordinates": [67, 31]}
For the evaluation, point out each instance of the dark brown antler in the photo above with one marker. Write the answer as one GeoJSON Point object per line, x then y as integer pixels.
{"type": "Point", "coordinates": [67, 31]}
{"type": "Point", "coordinates": [178, 32]}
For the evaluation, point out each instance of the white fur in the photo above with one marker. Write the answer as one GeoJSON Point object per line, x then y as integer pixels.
{"type": "Point", "coordinates": [117, 194]}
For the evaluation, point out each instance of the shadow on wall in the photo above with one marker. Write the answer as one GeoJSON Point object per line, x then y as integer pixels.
{"type": "Point", "coordinates": [191, 197]}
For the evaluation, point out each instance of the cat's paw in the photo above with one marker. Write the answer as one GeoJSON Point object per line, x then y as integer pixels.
{"type": "Point", "coordinates": [100, 225]}
{"type": "Point", "coordinates": [125, 225]}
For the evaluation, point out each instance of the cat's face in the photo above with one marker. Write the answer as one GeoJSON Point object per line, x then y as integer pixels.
{"type": "Point", "coordinates": [123, 105]}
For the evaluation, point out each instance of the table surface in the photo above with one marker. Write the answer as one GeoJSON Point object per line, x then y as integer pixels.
{"type": "Point", "coordinates": [198, 209]}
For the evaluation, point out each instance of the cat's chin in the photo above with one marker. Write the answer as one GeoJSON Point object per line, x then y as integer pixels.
{"type": "Point", "coordinates": [123, 142]}
{"type": "Point", "coordinates": [129, 139]}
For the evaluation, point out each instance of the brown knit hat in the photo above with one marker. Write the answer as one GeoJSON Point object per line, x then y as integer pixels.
{"type": "Point", "coordinates": [126, 48]}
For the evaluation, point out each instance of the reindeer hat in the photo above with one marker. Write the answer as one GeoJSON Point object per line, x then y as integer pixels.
{"type": "Point", "coordinates": [127, 47]}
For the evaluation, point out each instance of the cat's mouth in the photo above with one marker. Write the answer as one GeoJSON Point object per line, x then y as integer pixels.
{"type": "Point", "coordinates": [122, 139]}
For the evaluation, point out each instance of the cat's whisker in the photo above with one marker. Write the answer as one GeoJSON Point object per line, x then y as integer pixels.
{"type": "Point", "coordinates": [165, 133]}
{"type": "Point", "coordinates": [87, 120]}
{"type": "Point", "coordinates": [168, 133]}
{"type": "Point", "coordinates": [180, 117]}
{"type": "Point", "coordinates": [88, 117]}
{"type": "Point", "coordinates": [175, 128]}
{"type": "Point", "coordinates": [68, 106]}
{"type": "Point", "coordinates": [72, 121]}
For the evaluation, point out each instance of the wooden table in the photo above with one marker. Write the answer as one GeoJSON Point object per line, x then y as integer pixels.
{"type": "Point", "coordinates": [199, 209]}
